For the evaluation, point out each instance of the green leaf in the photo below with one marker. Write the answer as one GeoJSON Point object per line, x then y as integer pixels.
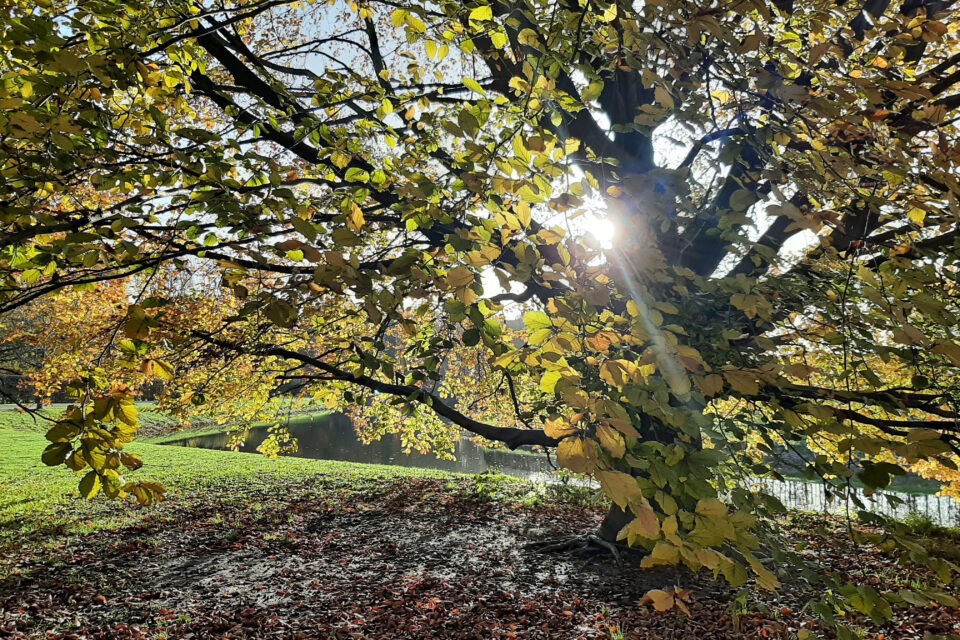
{"type": "Point", "coordinates": [63, 431]}
{"type": "Point", "coordinates": [473, 85]}
{"type": "Point", "coordinates": [548, 383]}
{"type": "Point", "coordinates": [281, 313]}
{"type": "Point", "coordinates": [55, 453]}
{"type": "Point", "coordinates": [90, 485]}
{"type": "Point", "coordinates": [592, 91]}
{"type": "Point", "coordinates": [535, 320]}
{"type": "Point", "coordinates": [741, 200]}
{"type": "Point", "coordinates": [355, 174]}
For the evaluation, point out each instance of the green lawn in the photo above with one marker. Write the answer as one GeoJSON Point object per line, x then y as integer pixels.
{"type": "Point", "coordinates": [23, 421]}
{"type": "Point", "coordinates": [35, 498]}
{"type": "Point", "coordinates": [150, 421]}
{"type": "Point", "coordinates": [39, 503]}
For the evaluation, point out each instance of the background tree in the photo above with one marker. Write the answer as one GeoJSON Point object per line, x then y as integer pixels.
{"type": "Point", "coordinates": [781, 177]}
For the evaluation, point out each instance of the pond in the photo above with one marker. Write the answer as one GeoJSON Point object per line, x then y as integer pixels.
{"type": "Point", "coordinates": [332, 437]}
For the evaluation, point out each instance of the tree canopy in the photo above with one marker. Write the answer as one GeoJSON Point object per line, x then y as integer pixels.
{"type": "Point", "coordinates": [379, 186]}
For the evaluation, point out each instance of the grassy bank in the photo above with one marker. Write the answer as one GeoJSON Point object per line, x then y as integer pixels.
{"type": "Point", "coordinates": [152, 422]}
{"type": "Point", "coordinates": [22, 421]}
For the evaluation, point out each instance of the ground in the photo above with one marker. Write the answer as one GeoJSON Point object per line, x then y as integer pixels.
{"type": "Point", "coordinates": [253, 548]}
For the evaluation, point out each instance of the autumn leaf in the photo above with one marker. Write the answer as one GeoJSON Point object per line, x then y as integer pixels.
{"type": "Point", "coordinates": [661, 600]}
{"type": "Point", "coordinates": [620, 487]}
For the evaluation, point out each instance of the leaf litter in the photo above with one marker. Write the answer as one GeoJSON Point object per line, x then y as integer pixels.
{"type": "Point", "coordinates": [400, 558]}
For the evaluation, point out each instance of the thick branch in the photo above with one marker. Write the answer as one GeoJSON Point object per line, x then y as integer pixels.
{"type": "Point", "coordinates": [510, 436]}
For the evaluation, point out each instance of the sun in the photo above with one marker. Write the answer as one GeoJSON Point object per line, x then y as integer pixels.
{"type": "Point", "coordinates": [603, 229]}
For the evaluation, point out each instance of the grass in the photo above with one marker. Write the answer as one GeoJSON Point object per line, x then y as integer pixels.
{"type": "Point", "coordinates": [22, 421]}
{"type": "Point", "coordinates": [40, 503]}
{"type": "Point", "coordinates": [32, 494]}
{"type": "Point", "coordinates": [150, 421]}
{"type": "Point", "coordinates": [937, 540]}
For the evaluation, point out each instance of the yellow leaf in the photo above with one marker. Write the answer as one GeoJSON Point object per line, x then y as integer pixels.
{"type": "Point", "coordinates": [747, 304]}
{"type": "Point", "coordinates": [645, 526]}
{"type": "Point", "coordinates": [592, 92]}
{"type": "Point", "coordinates": [127, 412]}
{"type": "Point", "coordinates": [621, 488]}
{"type": "Point", "coordinates": [557, 429]}
{"type": "Point", "coordinates": [355, 220]}
{"type": "Point", "coordinates": [670, 526]}
{"type": "Point", "coordinates": [528, 37]}
{"type": "Point", "coordinates": [90, 485]}
{"type": "Point", "coordinates": [708, 558]}
{"type": "Point", "coordinates": [611, 440]}
{"type": "Point", "coordinates": [575, 454]}
{"type": "Point", "coordinates": [163, 370]}
{"type": "Point", "coordinates": [483, 12]}
{"type": "Point", "coordinates": [618, 418]}
{"type": "Point", "coordinates": [922, 434]}
{"type": "Point", "coordinates": [711, 508]}
{"type": "Point", "coordinates": [647, 523]}
{"type": "Point", "coordinates": [663, 97]}
{"type": "Point", "coordinates": [136, 326]}
{"type": "Point", "coordinates": [710, 385]}
{"type": "Point", "coordinates": [598, 343]}
{"type": "Point", "coordinates": [617, 373]}
{"type": "Point", "coordinates": [765, 577]}
{"type": "Point", "coordinates": [666, 307]}
{"type": "Point", "coordinates": [663, 554]}
{"type": "Point", "coordinates": [819, 411]}
{"type": "Point", "coordinates": [660, 599]}
{"type": "Point", "coordinates": [742, 382]}
{"type": "Point", "coordinates": [340, 159]}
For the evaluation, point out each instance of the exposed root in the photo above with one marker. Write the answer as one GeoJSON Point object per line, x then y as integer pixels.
{"type": "Point", "coordinates": [578, 544]}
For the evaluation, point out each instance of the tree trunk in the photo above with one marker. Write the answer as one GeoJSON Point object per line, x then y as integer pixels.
{"type": "Point", "coordinates": [615, 520]}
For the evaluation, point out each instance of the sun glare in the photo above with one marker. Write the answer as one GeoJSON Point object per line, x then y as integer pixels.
{"type": "Point", "coordinates": [602, 229]}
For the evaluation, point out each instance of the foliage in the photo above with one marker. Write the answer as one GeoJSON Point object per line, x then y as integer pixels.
{"type": "Point", "coordinates": [373, 184]}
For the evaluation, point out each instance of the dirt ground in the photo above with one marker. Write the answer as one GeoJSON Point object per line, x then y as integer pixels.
{"type": "Point", "coordinates": [412, 558]}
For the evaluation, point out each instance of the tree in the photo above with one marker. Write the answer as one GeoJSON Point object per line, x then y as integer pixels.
{"type": "Point", "coordinates": [76, 333]}
{"type": "Point", "coordinates": [376, 182]}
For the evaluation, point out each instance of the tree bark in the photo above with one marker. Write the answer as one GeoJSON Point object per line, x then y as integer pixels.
{"type": "Point", "coordinates": [615, 520]}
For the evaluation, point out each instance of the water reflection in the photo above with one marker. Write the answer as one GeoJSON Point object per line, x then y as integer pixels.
{"type": "Point", "coordinates": [333, 438]}
{"type": "Point", "coordinates": [815, 497]}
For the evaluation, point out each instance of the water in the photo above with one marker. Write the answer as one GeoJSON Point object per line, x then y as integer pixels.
{"type": "Point", "coordinates": [332, 437]}
{"type": "Point", "coordinates": [813, 497]}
